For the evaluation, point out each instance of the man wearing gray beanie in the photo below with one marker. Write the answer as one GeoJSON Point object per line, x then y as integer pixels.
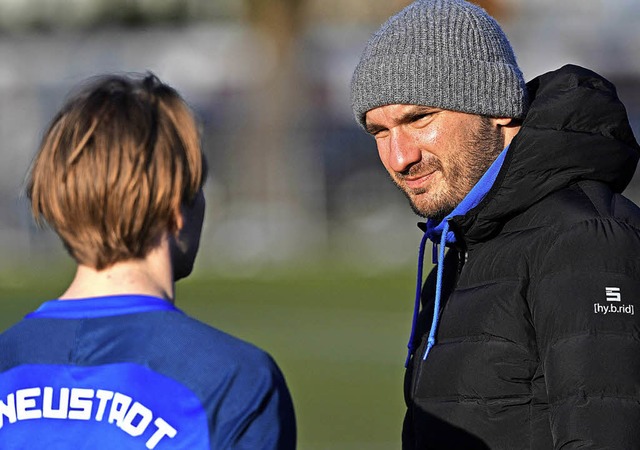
{"type": "Point", "coordinates": [524, 334]}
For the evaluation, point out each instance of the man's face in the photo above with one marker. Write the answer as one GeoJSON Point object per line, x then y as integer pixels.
{"type": "Point", "coordinates": [434, 156]}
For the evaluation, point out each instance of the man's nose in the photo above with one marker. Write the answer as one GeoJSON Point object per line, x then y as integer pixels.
{"type": "Point", "coordinates": [404, 151]}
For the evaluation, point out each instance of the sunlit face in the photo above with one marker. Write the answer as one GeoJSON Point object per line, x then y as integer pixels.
{"type": "Point", "coordinates": [185, 243]}
{"type": "Point", "coordinates": [434, 156]}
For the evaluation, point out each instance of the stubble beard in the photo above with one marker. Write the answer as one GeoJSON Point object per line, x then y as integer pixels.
{"type": "Point", "coordinates": [458, 172]}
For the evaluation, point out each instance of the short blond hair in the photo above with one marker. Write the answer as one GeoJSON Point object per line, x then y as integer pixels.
{"type": "Point", "coordinates": [114, 168]}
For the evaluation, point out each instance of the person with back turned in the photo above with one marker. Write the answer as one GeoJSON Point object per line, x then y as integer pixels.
{"type": "Point", "coordinates": [524, 334]}
{"type": "Point", "coordinates": [112, 363]}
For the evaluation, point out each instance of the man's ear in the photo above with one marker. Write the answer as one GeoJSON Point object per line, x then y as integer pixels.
{"type": "Point", "coordinates": [503, 121]}
{"type": "Point", "coordinates": [176, 223]}
{"type": "Point", "coordinates": [508, 126]}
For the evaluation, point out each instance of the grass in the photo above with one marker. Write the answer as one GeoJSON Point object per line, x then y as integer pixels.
{"type": "Point", "coordinates": [339, 337]}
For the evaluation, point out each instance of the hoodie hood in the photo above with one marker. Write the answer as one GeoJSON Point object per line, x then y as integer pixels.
{"type": "Point", "coordinates": [576, 129]}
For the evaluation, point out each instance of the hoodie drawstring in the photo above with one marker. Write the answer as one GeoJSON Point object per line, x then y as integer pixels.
{"type": "Point", "coordinates": [436, 303]}
{"type": "Point", "coordinates": [444, 238]}
{"type": "Point", "coordinates": [416, 306]}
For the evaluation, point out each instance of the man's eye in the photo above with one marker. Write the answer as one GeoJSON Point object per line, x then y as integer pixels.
{"type": "Point", "coordinates": [421, 119]}
{"type": "Point", "coordinates": [381, 134]}
{"type": "Point", "coordinates": [375, 132]}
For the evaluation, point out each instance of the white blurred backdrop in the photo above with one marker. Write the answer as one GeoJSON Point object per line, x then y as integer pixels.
{"type": "Point", "coordinates": [293, 181]}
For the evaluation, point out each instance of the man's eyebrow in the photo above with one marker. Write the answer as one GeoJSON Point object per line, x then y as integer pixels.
{"type": "Point", "coordinates": [415, 114]}
{"type": "Point", "coordinates": [408, 117]}
{"type": "Point", "coordinates": [374, 128]}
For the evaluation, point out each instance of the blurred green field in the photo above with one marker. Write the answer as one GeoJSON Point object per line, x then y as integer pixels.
{"type": "Point", "coordinates": [338, 336]}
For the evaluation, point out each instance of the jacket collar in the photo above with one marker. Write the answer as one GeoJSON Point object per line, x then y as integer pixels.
{"type": "Point", "coordinates": [576, 129]}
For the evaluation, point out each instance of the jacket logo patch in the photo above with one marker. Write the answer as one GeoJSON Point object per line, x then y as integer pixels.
{"type": "Point", "coordinates": [613, 294]}
{"type": "Point", "coordinates": [614, 305]}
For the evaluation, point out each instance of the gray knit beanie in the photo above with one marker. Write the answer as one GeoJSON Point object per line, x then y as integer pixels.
{"type": "Point", "coordinates": [446, 54]}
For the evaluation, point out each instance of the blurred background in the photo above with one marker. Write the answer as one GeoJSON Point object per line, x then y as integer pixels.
{"type": "Point", "coordinates": [308, 250]}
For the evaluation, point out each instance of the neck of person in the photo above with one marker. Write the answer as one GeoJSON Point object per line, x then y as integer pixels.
{"type": "Point", "coordinates": [151, 275]}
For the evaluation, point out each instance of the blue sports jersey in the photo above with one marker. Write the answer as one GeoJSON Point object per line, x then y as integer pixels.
{"type": "Point", "coordinates": [134, 372]}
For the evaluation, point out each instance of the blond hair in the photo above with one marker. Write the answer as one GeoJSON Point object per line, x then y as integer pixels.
{"type": "Point", "coordinates": [114, 168]}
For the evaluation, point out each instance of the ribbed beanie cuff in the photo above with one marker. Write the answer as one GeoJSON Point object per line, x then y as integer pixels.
{"type": "Point", "coordinates": [446, 54]}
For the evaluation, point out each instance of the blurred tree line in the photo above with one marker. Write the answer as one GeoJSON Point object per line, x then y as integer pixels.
{"type": "Point", "coordinates": [51, 14]}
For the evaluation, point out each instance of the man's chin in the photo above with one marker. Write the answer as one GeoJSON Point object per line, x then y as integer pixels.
{"type": "Point", "coordinates": [429, 211]}
{"type": "Point", "coordinates": [419, 211]}
{"type": "Point", "coordinates": [421, 204]}
{"type": "Point", "coordinates": [418, 204]}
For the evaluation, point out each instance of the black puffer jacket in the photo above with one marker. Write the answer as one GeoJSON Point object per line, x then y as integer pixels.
{"type": "Point", "coordinates": [538, 343]}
